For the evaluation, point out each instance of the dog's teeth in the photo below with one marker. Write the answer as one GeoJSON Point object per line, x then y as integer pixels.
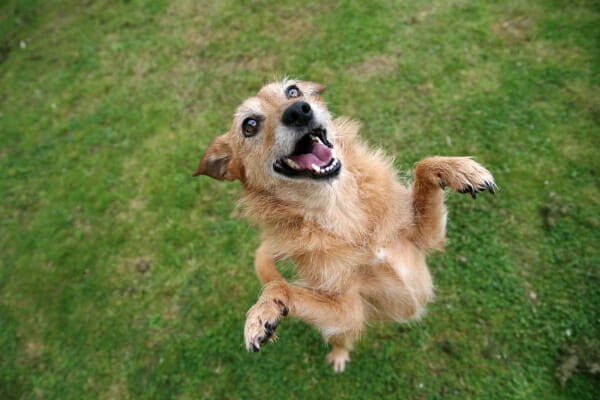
{"type": "Point", "coordinates": [291, 163]}
{"type": "Point", "coordinates": [316, 139]}
{"type": "Point", "coordinates": [316, 168]}
{"type": "Point", "coordinates": [333, 155]}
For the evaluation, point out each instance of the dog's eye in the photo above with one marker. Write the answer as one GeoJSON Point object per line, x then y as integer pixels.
{"type": "Point", "coordinates": [292, 92]}
{"type": "Point", "coordinates": [250, 127]}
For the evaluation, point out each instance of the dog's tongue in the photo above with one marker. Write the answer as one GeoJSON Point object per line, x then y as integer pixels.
{"type": "Point", "coordinates": [320, 155]}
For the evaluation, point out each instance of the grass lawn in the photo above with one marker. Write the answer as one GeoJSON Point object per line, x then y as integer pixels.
{"type": "Point", "coordinates": [121, 277]}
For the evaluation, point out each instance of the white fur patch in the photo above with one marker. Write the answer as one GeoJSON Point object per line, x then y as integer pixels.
{"type": "Point", "coordinates": [381, 254]}
{"type": "Point", "coordinates": [330, 331]}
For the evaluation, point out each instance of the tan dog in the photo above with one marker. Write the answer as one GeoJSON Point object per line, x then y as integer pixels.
{"type": "Point", "coordinates": [358, 237]}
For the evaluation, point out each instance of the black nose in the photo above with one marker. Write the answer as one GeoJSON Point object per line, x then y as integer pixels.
{"type": "Point", "coordinates": [298, 114]}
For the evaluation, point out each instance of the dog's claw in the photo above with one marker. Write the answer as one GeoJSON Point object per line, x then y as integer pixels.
{"type": "Point", "coordinates": [270, 329]}
{"type": "Point", "coordinates": [489, 186]}
{"type": "Point", "coordinates": [284, 309]}
{"type": "Point", "coordinates": [255, 348]}
{"type": "Point", "coordinates": [469, 189]}
{"type": "Point", "coordinates": [271, 326]}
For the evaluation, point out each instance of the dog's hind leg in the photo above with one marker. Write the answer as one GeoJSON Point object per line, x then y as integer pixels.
{"type": "Point", "coordinates": [432, 176]}
{"type": "Point", "coordinates": [340, 351]}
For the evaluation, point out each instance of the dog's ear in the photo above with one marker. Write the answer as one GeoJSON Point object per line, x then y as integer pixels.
{"type": "Point", "coordinates": [218, 162]}
{"type": "Point", "coordinates": [316, 88]}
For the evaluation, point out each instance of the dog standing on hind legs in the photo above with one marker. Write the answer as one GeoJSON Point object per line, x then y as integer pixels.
{"type": "Point", "coordinates": [358, 236]}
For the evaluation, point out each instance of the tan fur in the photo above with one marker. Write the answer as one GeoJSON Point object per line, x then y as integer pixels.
{"type": "Point", "coordinates": [359, 240]}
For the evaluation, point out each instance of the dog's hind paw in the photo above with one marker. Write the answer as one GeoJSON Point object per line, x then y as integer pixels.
{"type": "Point", "coordinates": [338, 357]}
{"type": "Point", "coordinates": [261, 322]}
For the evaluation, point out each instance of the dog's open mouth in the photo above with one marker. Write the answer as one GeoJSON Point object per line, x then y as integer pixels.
{"type": "Point", "coordinates": [313, 157]}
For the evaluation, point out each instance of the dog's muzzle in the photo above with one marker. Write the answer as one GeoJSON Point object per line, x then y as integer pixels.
{"type": "Point", "coordinates": [313, 156]}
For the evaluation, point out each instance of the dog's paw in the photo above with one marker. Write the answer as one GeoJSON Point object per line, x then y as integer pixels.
{"type": "Point", "coordinates": [261, 322]}
{"type": "Point", "coordinates": [467, 176]}
{"type": "Point", "coordinates": [338, 357]}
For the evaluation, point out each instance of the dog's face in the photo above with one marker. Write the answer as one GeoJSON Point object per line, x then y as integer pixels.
{"type": "Point", "coordinates": [281, 134]}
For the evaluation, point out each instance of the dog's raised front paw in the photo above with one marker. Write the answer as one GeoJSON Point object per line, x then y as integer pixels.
{"type": "Point", "coordinates": [261, 322]}
{"type": "Point", "coordinates": [466, 176]}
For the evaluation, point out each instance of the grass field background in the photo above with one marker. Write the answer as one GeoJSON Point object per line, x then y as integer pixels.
{"type": "Point", "coordinates": [121, 277]}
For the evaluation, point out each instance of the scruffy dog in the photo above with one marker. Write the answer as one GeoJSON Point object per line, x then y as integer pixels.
{"type": "Point", "coordinates": [323, 199]}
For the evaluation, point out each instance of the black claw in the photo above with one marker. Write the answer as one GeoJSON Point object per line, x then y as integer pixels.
{"type": "Point", "coordinates": [264, 339]}
{"type": "Point", "coordinates": [285, 310]}
{"type": "Point", "coordinates": [270, 328]}
{"type": "Point", "coordinates": [471, 190]}
{"type": "Point", "coordinates": [490, 186]}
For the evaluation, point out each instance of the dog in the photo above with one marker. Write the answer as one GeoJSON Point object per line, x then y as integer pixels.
{"type": "Point", "coordinates": [359, 237]}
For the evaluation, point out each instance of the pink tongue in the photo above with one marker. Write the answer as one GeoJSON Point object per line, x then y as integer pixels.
{"type": "Point", "coordinates": [320, 155]}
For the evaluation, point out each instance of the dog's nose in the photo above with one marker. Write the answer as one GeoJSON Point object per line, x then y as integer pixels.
{"type": "Point", "coordinates": [298, 114]}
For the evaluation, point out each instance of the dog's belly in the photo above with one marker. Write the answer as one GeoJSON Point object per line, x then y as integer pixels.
{"type": "Point", "coordinates": [331, 272]}
{"type": "Point", "coordinates": [400, 285]}
{"type": "Point", "coordinates": [393, 281]}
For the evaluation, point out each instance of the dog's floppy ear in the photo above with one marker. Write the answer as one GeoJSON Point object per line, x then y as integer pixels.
{"type": "Point", "coordinates": [218, 162]}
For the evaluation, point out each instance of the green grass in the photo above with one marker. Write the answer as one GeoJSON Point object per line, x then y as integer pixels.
{"type": "Point", "coordinates": [121, 277]}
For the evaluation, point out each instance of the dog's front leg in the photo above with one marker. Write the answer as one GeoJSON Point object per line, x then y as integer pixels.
{"type": "Point", "coordinates": [264, 264]}
{"type": "Point", "coordinates": [432, 176]}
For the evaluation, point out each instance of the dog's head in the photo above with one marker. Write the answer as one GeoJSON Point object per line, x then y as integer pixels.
{"type": "Point", "coordinates": [280, 135]}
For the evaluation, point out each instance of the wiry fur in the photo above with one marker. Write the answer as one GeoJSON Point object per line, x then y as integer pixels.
{"type": "Point", "coordinates": [359, 240]}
